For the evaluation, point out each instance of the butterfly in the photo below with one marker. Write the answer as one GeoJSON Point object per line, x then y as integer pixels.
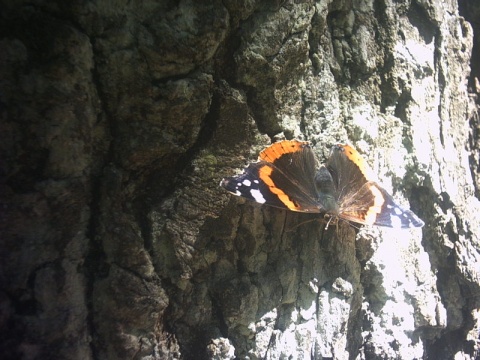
{"type": "Point", "coordinates": [286, 176]}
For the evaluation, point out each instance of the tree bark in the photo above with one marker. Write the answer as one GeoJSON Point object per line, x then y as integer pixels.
{"type": "Point", "coordinates": [118, 121]}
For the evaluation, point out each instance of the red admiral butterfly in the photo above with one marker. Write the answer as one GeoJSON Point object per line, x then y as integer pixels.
{"type": "Point", "coordinates": [286, 177]}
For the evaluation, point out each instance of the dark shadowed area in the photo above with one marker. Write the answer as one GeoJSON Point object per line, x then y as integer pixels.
{"type": "Point", "coordinates": [118, 120]}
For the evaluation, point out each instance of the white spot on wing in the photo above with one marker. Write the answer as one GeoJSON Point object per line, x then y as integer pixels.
{"type": "Point", "coordinates": [257, 195]}
{"type": "Point", "coordinates": [396, 221]}
{"type": "Point", "coordinates": [247, 182]}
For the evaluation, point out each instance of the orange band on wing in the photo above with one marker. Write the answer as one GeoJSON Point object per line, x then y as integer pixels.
{"type": "Point", "coordinates": [275, 151]}
{"type": "Point", "coordinates": [265, 173]}
{"type": "Point", "coordinates": [355, 156]}
{"type": "Point", "coordinates": [376, 208]}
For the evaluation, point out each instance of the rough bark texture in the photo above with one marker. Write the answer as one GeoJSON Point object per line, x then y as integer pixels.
{"type": "Point", "coordinates": [118, 120]}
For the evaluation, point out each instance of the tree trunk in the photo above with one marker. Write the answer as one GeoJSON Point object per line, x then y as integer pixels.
{"type": "Point", "coordinates": [120, 118]}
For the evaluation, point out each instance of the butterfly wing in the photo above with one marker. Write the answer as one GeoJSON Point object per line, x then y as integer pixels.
{"type": "Point", "coordinates": [284, 177]}
{"type": "Point", "coordinates": [360, 198]}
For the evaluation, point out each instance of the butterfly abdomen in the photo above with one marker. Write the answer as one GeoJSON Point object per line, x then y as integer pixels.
{"type": "Point", "coordinates": [326, 191]}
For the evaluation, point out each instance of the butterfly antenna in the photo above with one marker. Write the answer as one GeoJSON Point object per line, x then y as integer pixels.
{"type": "Point", "coordinates": [328, 222]}
{"type": "Point", "coordinates": [351, 224]}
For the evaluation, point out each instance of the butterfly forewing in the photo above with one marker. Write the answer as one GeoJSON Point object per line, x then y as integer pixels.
{"type": "Point", "coordinates": [283, 177]}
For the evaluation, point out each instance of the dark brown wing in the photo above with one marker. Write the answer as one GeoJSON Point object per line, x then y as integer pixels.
{"type": "Point", "coordinates": [283, 177]}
